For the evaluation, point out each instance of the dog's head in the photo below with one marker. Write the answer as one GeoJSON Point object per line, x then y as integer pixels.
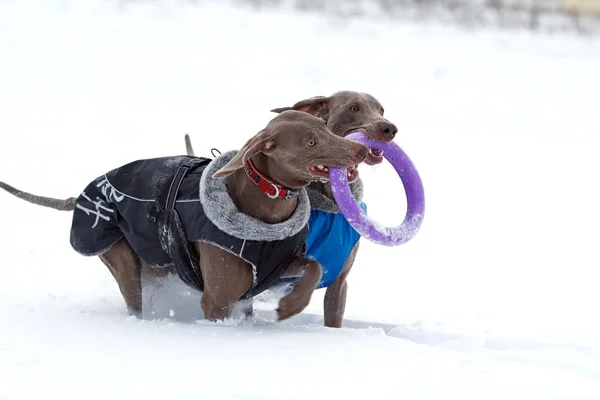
{"type": "Point", "coordinates": [347, 111]}
{"type": "Point", "coordinates": [296, 148]}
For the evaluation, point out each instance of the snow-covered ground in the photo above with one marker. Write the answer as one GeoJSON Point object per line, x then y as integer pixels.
{"type": "Point", "coordinates": [496, 297]}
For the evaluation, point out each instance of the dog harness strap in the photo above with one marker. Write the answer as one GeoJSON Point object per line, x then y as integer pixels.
{"type": "Point", "coordinates": [166, 199]}
{"type": "Point", "coordinates": [172, 234]}
{"type": "Point", "coordinates": [176, 182]}
{"type": "Point", "coordinates": [273, 189]}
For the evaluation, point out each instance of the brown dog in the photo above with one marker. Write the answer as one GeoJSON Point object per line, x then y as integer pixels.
{"type": "Point", "coordinates": [344, 112]}
{"type": "Point", "coordinates": [232, 238]}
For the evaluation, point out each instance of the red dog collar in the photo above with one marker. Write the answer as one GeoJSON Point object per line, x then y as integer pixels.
{"type": "Point", "coordinates": [273, 189]}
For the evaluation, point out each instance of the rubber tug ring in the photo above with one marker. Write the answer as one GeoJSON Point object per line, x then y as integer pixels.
{"type": "Point", "coordinates": [413, 187]}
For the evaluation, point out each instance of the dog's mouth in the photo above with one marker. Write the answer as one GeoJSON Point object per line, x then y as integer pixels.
{"type": "Point", "coordinates": [321, 173]}
{"type": "Point", "coordinates": [375, 156]}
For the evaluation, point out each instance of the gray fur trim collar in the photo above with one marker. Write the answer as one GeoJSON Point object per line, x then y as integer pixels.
{"type": "Point", "coordinates": [319, 201]}
{"type": "Point", "coordinates": [221, 209]}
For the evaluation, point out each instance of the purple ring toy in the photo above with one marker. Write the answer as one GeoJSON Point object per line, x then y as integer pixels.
{"type": "Point", "coordinates": [359, 219]}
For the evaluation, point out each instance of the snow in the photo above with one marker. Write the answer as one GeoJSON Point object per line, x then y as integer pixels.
{"type": "Point", "coordinates": [495, 298]}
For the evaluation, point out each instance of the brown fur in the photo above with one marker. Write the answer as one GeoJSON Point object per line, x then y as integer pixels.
{"type": "Point", "coordinates": [290, 144]}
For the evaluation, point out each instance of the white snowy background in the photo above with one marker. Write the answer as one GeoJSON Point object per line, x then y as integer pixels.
{"type": "Point", "coordinates": [495, 298]}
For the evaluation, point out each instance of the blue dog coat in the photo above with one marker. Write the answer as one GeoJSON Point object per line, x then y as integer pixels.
{"type": "Point", "coordinates": [330, 241]}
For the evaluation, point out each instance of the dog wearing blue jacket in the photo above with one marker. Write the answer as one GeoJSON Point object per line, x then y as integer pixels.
{"type": "Point", "coordinates": [331, 240]}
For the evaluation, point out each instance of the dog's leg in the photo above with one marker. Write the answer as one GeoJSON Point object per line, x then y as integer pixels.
{"type": "Point", "coordinates": [226, 278]}
{"type": "Point", "coordinates": [335, 296]}
{"type": "Point", "coordinates": [125, 266]}
{"type": "Point", "coordinates": [303, 288]}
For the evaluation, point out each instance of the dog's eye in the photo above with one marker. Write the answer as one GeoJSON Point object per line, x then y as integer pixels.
{"type": "Point", "coordinates": [381, 111]}
{"type": "Point", "coordinates": [354, 108]}
{"type": "Point", "coordinates": [312, 143]}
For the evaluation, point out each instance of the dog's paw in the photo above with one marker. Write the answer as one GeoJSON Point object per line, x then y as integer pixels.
{"type": "Point", "coordinates": [291, 305]}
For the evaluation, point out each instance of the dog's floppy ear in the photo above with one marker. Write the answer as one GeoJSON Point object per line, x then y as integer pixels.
{"type": "Point", "coordinates": [317, 106]}
{"type": "Point", "coordinates": [263, 142]}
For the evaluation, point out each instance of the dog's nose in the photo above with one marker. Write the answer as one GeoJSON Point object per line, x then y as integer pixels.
{"type": "Point", "coordinates": [387, 130]}
{"type": "Point", "coordinates": [362, 153]}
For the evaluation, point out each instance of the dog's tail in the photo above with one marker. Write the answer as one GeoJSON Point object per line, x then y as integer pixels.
{"type": "Point", "coordinates": [188, 146]}
{"type": "Point", "coordinates": [57, 204]}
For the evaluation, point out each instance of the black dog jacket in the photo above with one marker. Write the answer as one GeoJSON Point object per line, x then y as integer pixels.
{"type": "Point", "coordinates": [161, 205]}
